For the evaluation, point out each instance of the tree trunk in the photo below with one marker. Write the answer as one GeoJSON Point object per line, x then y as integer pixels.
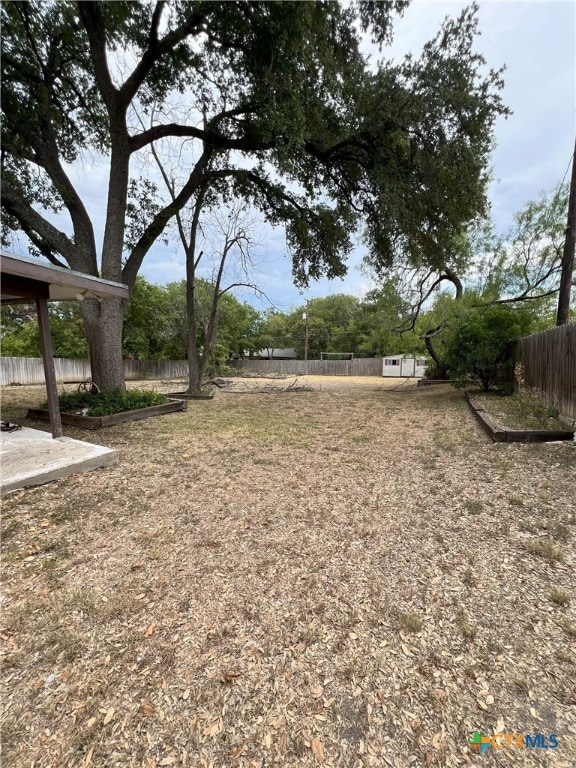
{"type": "Point", "coordinates": [103, 322]}
{"type": "Point", "coordinates": [195, 361]}
{"type": "Point", "coordinates": [195, 373]}
{"type": "Point", "coordinates": [428, 336]}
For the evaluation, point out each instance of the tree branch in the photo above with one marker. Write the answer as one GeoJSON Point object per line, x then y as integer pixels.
{"type": "Point", "coordinates": [522, 297]}
{"type": "Point", "coordinates": [31, 221]}
{"type": "Point", "coordinates": [269, 189]}
{"type": "Point", "coordinates": [216, 140]}
{"type": "Point", "coordinates": [156, 226]}
{"type": "Point", "coordinates": [91, 17]}
{"type": "Point", "coordinates": [45, 250]}
{"type": "Point", "coordinates": [157, 48]}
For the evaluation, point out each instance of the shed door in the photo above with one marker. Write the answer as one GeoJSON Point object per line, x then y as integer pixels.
{"type": "Point", "coordinates": [407, 366]}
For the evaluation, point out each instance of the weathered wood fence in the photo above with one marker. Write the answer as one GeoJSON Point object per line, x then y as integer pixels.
{"type": "Point", "coordinates": [155, 369]}
{"type": "Point", "coordinates": [29, 370]}
{"type": "Point", "coordinates": [359, 366]}
{"type": "Point", "coordinates": [548, 362]}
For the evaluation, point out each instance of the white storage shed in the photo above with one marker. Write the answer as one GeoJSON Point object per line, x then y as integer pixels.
{"type": "Point", "coordinates": [402, 366]}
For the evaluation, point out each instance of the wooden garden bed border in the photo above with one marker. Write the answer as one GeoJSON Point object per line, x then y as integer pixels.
{"type": "Point", "coordinates": [500, 435]}
{"type": "Point", "coordinates": [98, 422]}
{"type": "Point", "coordinates": [188, 396]}
{"type": "Point", "coordinates": [433, 382]}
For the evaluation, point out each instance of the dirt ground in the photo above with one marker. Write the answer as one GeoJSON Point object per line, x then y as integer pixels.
{"type": "Point", "coordinates": [348, 576]}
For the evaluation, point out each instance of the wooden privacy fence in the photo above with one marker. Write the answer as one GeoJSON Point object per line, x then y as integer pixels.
{"type": "Point", "coordinates": [29, 370]}
{"type": "Point", "coordinates": [155, 369]}
{"type": "Point", "coordinates": [548, 362]}
{"type": "Point", "coordinates": [358, 366]}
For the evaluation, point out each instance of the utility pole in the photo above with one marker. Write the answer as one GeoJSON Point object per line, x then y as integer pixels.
{"type": "Point", "coordinates": [568, 254]}
{"type": "Point", "coordinates": [305, 318]}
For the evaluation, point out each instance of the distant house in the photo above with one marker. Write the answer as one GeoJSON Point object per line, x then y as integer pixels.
{"type": "Point", "coordinates": [402, 366]}
{"type": "Point", "coordinates": [287, 353]}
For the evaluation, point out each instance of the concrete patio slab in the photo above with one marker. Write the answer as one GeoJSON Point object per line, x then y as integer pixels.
{"type": "Point", "coordinates": [32, 457]}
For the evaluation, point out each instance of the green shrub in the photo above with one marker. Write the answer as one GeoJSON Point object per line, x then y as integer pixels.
{"type": "Point", "coordinates": [107, 403]}
{"type": "Point", "coordinates": [480, 347]}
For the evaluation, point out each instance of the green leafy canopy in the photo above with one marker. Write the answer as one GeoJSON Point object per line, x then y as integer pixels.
{"type": "Point", "coordinates": [271, 101]}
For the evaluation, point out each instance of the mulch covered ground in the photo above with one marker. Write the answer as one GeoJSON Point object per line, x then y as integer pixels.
{"type": "Point", "coordinates": [348, 576]}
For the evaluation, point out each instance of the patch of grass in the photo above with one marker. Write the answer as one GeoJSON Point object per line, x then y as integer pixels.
{"type": "Point", "coordinates": [12, 735]}
{"type": "Point", "coordinates": [409, 621]}
{"type": "Point", "coordinates": [56, 547]}
{"type": "Point", "coordinates": [558, 530]}
{"type": "Point", "coordinates": [474, 506]}
{"type": "Point", "coordinates": [448, 442]}
{"type": "Point", "coordinates": [338, 544]}
{"type": "Point", "coordinates": [469, 578]}
{"type": "Point", "coordinates": [528, 526]}
{"type": "Point", "coordinates": [569, 627]}
{"type": "Point", "coordinates": [559, 596]}
{"type": "Point", "coordinates": [493, 646]}
{"type": "Point", "coordinates": [543, 548]}
{"type": "Point", "coordinates": [65, 513]}
{"type": "Point", "coordinates": [521, 411]}
{"type": "Point", "coordinates": [469, 631]}
{"type": "Point", "coordinates": [521, 685]}
{"type": "Point", "coordinates": [10, 528]}
{"type": "Point", "coordinates": [50, 564]}
{"type": "Point", "coordinates": [46, 625]}
{"type": "Point", "coordinates": [532, 408]}
{"type": "Point", "coordinates": [259, 424]}
{"type": "Point", "coordinates": [119, 606]}
{"type": "Point", "coordinates": [63, 645]}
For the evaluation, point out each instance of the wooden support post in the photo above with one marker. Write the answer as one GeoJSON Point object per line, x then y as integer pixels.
{"type": "Point", "coordinates": [567, 268]}
{"type": "Point", "coordinates": [49, 368]}
{"type": "Point", "coordinates": [305, 316]}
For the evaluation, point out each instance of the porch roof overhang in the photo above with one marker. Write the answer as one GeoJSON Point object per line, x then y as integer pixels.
{"type": "Point", "coordinates": [25, 279]}
{"type": "Point", "coordinates": [28, 280]}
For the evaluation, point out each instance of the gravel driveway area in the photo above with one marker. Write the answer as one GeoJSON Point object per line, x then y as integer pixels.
{"type": "Point", "coordinates": [345, 573]}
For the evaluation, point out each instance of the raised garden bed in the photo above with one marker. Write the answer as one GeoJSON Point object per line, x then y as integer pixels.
{"type": "Point", "coordinates": [192, 395]}
{"type": "Point", "coordinates": [502, 434]}
{"type": "Point", "coordinates": [431, 382]}
{"type": "Point", "coordinates": [97, 422]}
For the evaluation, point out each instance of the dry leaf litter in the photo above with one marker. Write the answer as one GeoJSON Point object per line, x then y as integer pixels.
{"type": "Point", "coordinates": [347, 575]}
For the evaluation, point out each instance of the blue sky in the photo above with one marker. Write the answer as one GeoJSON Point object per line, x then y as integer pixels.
{"type": "Point", "coordinates": [536, 41]}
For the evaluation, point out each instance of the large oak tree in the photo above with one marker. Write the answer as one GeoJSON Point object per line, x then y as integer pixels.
{"type": "Point", "coordinates": [271, 101]}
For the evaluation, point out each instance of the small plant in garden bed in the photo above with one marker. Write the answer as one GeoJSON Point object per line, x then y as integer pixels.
{"type": "Point", "coordinates": [107, 403]}
{"type": "Point", "coordinates": [520, 411]}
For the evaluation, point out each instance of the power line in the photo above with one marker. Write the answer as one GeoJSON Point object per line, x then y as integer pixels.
{"type": "Point", "coordinates": [567, 169]}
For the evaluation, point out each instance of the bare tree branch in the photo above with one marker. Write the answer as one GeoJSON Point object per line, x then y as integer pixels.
{"type": "Point", "coordinates": [156, 226]}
